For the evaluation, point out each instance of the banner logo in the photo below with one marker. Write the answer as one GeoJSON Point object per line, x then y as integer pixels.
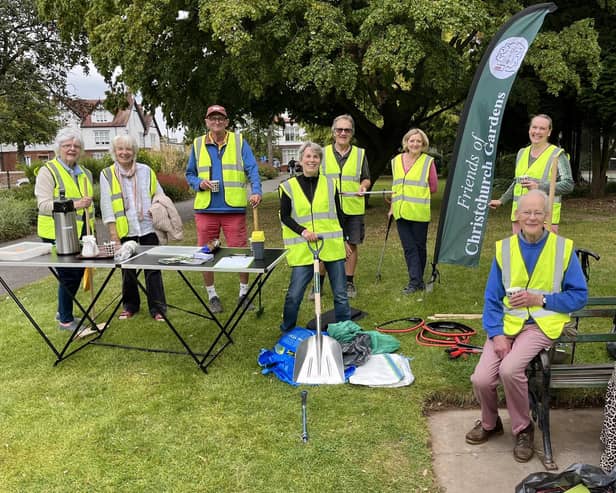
{"type": "Point", "coordinates": [507, 57]}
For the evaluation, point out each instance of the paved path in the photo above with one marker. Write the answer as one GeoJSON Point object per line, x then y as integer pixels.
{"type": "Point", "coordinates": [16, 278]}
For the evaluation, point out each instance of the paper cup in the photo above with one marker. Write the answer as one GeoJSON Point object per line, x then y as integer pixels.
{"type": "Point", "coordinates": [513, 290]}
{"type": "Point", "coordinates": [215, 185]}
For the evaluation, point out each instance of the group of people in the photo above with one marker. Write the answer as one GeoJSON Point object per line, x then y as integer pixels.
{"type": "Point", "coordinates": [534, 283]}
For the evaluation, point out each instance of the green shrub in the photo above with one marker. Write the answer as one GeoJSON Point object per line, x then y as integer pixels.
{"type": "Point", "coordinates": [18, 217]}
{"type": "Point", "coordinates": [96, 165]}
{"type": "Point", "coordinates": [175, 186]}
{"type": "Point", "coordinates": [32, 170]}
{"type": "Point", "coordinates": [153, 159]}
{"type": "Point", "coordinates": [267, 171]}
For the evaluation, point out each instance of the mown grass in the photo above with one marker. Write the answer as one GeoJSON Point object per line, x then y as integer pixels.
{"type": "Point", "coordinates": [111, 420]}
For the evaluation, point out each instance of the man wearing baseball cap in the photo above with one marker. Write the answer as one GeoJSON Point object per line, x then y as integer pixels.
{"type": "Point", "coordinates": [217, 168]}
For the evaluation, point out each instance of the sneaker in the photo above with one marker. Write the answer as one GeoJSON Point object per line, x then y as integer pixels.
{"type": "Point", "coordinates": [68, 326]}
{"type": "Point", "coordinates": [215, 305]}
{"type": "Point", "coordinates": [244, 301]}
{"type": "Point", "coordinates": [158, 317]}
{"type": "Point", "coordinates": [479, 435]}
{"type": "Point", "coordinates": [409, 289]}
{"type": "Point", "coordinates": [351, 290]}
{"type": "Point", "coordinates": [523, 450]}
{"type": "Point", "coordinates": [125, 315]}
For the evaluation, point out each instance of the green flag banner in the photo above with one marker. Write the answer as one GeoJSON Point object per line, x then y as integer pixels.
{"type": "Point", "coordinates": [464, 213]}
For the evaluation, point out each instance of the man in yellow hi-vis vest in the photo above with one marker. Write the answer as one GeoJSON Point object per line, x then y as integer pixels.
{"type": "Point", "coordinates": [533, 171]}
{"type": "Point", "coordinates": [217, 168]}
{"type": "Point", "coordinates": [348, 166]}
{"type": "Point", "coordinates": [64, 175]}
{"type": "Point", "coordinates": [535, 282]}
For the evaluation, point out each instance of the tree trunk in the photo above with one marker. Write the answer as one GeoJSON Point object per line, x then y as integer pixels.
{"type": "Point", "coordinates": [597, 183]}
{"type": "Point", "coordinates": [21, 152]}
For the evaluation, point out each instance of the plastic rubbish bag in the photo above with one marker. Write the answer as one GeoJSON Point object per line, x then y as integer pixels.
{"type": "Point", "coordinates": [593, 477]}
{"type": "Point", "coordinates": [126, 251]}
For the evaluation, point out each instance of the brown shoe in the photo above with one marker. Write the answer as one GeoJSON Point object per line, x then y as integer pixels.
{"type": "Point", "coordinates": [479, 435]}
{"type": "Point", "coordinates": [523, 450]}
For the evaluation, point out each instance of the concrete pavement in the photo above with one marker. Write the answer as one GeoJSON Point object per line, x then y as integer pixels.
{"type": "Point", "coordinates": [490, 467]}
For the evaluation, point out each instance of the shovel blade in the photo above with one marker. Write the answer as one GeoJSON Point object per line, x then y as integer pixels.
{"type": "Point", "coordinates": [319, 363]}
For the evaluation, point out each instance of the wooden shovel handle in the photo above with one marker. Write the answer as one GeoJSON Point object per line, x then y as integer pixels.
{"type": "Point", "coordinates": [255, 219]}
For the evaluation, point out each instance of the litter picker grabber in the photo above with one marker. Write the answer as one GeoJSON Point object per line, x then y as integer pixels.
{"type": "Point", "coordinates": [318, 358]}
{"type": "Point", "coordinates": [378, 269]}
{"type": "Point", "coordinates": [304, 395]}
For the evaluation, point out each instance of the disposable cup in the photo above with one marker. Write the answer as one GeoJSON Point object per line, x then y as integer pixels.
{"type": "Point", "coordinates": [513, 290]}
{"type": "Point", "coordinates": [215, 185]}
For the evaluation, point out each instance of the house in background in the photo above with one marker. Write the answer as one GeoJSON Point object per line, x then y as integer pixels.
{"type": "Point", "coordinates": [98, 126]}
{"type": "Point", "coordinates": [288, 139]}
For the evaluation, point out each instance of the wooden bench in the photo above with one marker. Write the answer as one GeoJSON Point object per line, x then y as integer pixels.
{"type": "Point", "coordinates": [544, 375]}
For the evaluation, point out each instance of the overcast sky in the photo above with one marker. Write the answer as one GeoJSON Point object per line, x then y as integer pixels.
{"type": "Point", "coordinates": [92, 86]}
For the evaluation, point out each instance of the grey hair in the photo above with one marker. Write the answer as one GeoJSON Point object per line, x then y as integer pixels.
{"type": "Point", "coordinates": [343, 117]}
{"type": "Point", "coordinates": [316, 148]}
{"type": "Point", "coordinates": [125, 139]}
{"type": "Point", "coordinates": [535, 192]}
{"type": "Point", "coordinates": [67, 134]}
{"type": "Point", "coordinates": [413, 131]}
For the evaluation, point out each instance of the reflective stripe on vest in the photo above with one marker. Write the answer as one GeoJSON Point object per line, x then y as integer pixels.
{"type": "Point", "coordinates": [117, 202]}
{"type": "Point", "coordinates": [540, 170]}
{"type": "Point", "coordinates": [65, 182]}
{"type": "Point", "coordinates": [317, 217]}
{"type": "Point", "coordinates": [546, 278]}
{"type": "Point", "coordinates": [348, 177]}
{"type": "Point", "coordinates": [233, 175]}
{"type": "Point", "coordinates": [411, 191]}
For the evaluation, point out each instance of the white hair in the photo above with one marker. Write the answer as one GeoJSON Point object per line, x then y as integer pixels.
{"type": "Point", "coordinates": [67, 134]}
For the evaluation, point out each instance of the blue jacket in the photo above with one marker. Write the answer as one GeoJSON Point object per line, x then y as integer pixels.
{"type": "Point", "coordinates": [218, 205]}
{"type": "Point", "coordinates": [572, 297]}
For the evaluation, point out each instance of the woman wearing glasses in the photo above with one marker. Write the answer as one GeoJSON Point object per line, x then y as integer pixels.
{"type": "Point", "coordinates": [414, 181]}
{"type": "Point", "coordinates": [64, 175]}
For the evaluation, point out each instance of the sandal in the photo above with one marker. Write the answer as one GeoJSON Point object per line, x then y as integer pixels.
{"type": "Point", "coordinates": [125, 315]}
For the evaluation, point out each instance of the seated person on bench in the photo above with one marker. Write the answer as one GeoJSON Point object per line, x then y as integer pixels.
{"type": "Point", "coordinates": [519, 326]}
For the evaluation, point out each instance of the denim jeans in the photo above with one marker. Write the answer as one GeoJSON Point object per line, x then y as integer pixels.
{"type": "Point", "coordinates": [153, 283]}
{"type": "Point", "coordinates": [300, 278]}
{"type": "Point", "coordinates": [413, 236]}
{"type": "Point", "coordinates": [70, 278]}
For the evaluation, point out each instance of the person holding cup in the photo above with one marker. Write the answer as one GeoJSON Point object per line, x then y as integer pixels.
{"type": "Point", "coordinates": [217, 168]}
{"type": "Point", "coordinates": [535, 282]}
{"type": "Point", "coordinates": [533, 171]}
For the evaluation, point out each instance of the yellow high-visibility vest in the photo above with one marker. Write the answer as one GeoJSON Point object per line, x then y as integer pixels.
{"type": "Point", "coordinates": [320, 217]}
{"type": "Point", "coordinates": [347, 178]}
{"type": "Point", "coordinates": [546, 278]}
{"type": "Point", "coordinates": [411, 191]}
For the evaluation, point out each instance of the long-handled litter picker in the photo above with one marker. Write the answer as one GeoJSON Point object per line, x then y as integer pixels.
{"type": "Point", "coordinates": [318, 358]}
{"type": "Point", "coordinates": [378, 269]}
{"type": "Point", "coordinates": [304, 395]}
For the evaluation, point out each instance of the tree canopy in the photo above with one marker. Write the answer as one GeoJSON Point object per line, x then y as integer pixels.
{"type": "Point", "coordinates": [34, 63]}
{"type": "Point", "coordinates": [391, 64]}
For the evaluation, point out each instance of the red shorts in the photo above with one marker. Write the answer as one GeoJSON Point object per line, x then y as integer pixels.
{"type": "Point", "coordinates": [233, 226]}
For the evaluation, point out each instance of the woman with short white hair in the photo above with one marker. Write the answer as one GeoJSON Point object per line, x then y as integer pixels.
{"type": "Point", "coordinates": [127, 189]}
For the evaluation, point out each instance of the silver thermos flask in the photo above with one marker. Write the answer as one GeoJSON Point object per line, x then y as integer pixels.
{"type": "Point", "coordinates": [65, 224]}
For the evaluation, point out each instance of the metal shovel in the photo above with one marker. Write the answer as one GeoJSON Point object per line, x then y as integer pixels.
{"type": "Point", "coordinates": [318, 358]}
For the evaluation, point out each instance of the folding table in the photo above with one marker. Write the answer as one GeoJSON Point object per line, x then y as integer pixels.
{"type": "Point", "coordinates": [260, 271]}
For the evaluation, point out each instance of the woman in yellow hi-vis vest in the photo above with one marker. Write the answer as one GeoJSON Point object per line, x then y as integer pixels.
{"type": "Point", "coordinates": [127, 190]}
{"type": "Point", "coordinates": [414, 181]}
{"type": "Point", "coordinates": [310, 208]}
{"type": "Point", "coordinates": [63, 174]}
{"type": "Point", "coordinates": [533, 171]}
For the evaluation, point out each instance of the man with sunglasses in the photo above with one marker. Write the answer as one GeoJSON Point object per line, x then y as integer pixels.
{"type": "Point", "coordinates": [348, 166]}
{"type": "Point", "coordinates": [217, 168]}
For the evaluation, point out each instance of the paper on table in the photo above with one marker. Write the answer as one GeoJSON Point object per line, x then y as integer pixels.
{"type": "Point", "coordinates": [234, 262]}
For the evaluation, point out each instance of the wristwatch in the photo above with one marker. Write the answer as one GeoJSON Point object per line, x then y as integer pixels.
{"type": "Point", "coordinates": [543, 301]}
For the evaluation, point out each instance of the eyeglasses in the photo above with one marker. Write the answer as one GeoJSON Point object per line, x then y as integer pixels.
{"type": "Point", "coordinates": [343, 130]}
{"type": "Point", "coordinates": [69, 146]}
{"type": "Point", "coordinates": [532, 213]}
{"type": "Point", "coordinates": [217, 119]}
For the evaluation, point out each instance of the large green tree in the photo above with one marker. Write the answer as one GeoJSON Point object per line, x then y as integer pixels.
{"type": "Point", "coordinates": [391, 64]}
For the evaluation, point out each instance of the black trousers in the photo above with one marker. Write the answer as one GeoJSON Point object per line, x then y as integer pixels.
{"type": "Point", "coordinates": [153, 282]}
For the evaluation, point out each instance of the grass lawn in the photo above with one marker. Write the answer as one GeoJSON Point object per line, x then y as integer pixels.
{"type": "Point", "coordinates": [113, 420]}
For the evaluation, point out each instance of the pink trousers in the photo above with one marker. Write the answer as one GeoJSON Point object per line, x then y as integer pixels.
{"type": "Point", "coordinates": [511, 372]}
